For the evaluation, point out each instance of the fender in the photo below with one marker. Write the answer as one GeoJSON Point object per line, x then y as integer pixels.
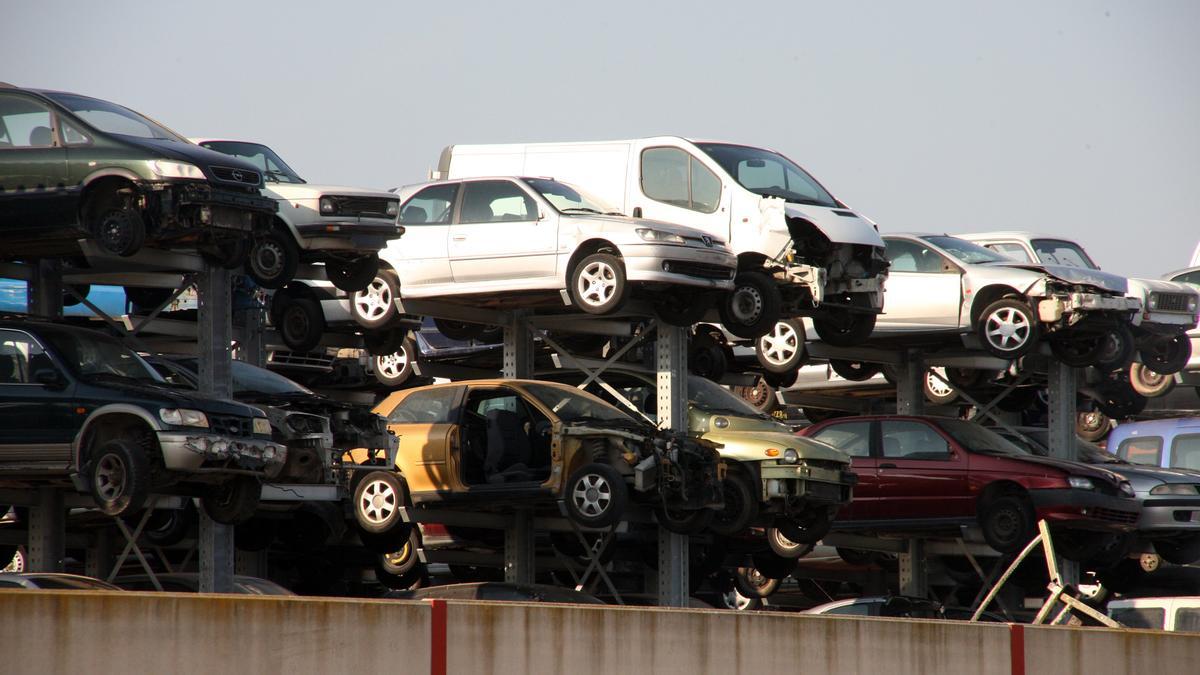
{"type": "Point", "coordinates": [112, 171]}
{"type": "Point", "coordinates": [112, 408]}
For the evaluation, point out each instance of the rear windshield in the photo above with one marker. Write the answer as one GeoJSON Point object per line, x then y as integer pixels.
{"type": "Point", "coordinates": [1141, 450]}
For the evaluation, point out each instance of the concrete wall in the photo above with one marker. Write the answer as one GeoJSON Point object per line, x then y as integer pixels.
{"type": "Point", "coordinates": [85, 632]}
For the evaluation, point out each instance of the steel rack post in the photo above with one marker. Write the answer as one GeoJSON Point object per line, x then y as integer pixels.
{"type": "Point", "coordinates": [47, 531]}
{"type": "Point", "coordinates": [910, 381]}
{"type": "Point", "coordinates": [518, 347]}
{"type": "Point", "coordinates": [1062, 416]}
{"type": "Point", "coordinates": [671, 357]}
{"type": "Point", "coordinates": [215, 329]}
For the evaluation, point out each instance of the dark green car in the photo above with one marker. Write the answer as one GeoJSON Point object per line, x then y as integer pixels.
{"type": "Point", "coordinates": [75, 167]}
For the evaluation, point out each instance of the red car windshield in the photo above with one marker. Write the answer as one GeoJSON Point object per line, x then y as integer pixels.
{"type": "Point", "coordinates": [978, 439]}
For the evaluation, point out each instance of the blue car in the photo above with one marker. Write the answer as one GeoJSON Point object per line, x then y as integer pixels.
{"type": "Point", "coordinates": [110, 300]}
{"type": "Point", "coordinates": [1168, 443]}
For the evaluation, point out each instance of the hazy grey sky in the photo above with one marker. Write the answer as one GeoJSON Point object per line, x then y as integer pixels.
{"type": "Point", "coordinates": [1076, 118]}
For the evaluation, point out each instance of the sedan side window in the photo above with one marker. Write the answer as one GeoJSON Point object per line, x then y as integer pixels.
{"type": "Point", "coordinates": [20, 357]}
{"type": "Point", "coordinates": [852, 438]}
{"type": "Point", "coordinates": [1015, 251]}
{"type": "Point", "coordinates": [1188, 278]}
{"type": "Point", "coordinates": [1141, 450]}
{"type": "Point", "coordinates": [913, 440]}
{"type": "Point", "coordinates": [431, 406]}
{"type": "Point", "coordinates": [674, 177]}
{"type": "Point", "coordinates": [494, 201]}
{"type": "Point", "coordinates": [911, 256]}
{"type": "Point", "coordinates": [24, 123]}
{"type": "Point", "coordinates": [434, 205]}
{"type": "Point", "coordinates": [1185, 451]}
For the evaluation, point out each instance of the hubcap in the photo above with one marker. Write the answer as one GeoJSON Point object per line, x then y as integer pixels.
{"type": "Point", "coordinates": [378, 502]}
{"type": "Point", "coordinates": [268, 259]}
{"type": "Point", "coordinates": [375, 301]}
{"type": "Point", "coordinates": [592, 494]}
{"type": "Point", "coordinates": [392, 365]}
{"type": "Point", "coordinates": [114, 231]}
{"type": "Point", "coordinates": [937, 386]}
{"type": "Point", "coordinates": [1007, 329]}
{"type": "Point", "coordinates": [747, 304]}
{"type": "Point", "coordinates": [1004, 524]}
{"type": "Point", "coordinates": [110, 477]}
{"type": "Point", "coordinates": [780, 345]}
{"type": "Point", "coordinates": [597, 283]}
{"type": "Point", "coordinates": [296, 324]}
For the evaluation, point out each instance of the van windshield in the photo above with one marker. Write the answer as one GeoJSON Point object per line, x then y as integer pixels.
{"type": "Point", "coordinates": [768, 173]}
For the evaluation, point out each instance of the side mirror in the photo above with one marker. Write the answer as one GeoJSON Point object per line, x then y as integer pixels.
{"type": "Point", "coordinates": [50, 378]}
{"type": "Point", "coordinates": [541, 215]}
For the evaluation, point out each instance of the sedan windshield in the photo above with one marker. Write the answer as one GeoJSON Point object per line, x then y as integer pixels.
{"type": "Point", "coordinates": [92, 355]}
{"type": "Point", "coordinates": [965, 251]}
{"type": "Point", "coordinates": [1066, 253]}
{"type": "Point", "coordinates": [114, 119]}
{"type": "Point", "coordinates": [768, 173]}
{"type": "Point", "coordinates": [978, 439]}
{"type": "Point", "coordinates": [571, 405]}
{"type": "Point", "coordinates": [262, 157]}
{"type": "Point", "coordinates": [568, 198]}
{"type": "Point", "coordinates": [248, 379]}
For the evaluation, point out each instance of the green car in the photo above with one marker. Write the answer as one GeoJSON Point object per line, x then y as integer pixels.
{"type": "Point", "coordinates": [74, 167]}
{"type": "Point", "coordinates": [774, 478]}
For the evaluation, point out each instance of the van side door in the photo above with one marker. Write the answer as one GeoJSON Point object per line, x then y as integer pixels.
{"type": "Point", "coordinates": [675, 186]}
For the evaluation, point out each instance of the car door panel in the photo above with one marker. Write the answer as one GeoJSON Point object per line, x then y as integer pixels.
{"type": "Point", "coordinates": [920, 474]}
{"type": "Point", "coordinates": [424, 455]}
{"type": "Point", "coordinates": [923, 290]}
{"type": "Point", "coordinates": [500, 235]}
{"type": "Point", "coordinates": [854, 438]}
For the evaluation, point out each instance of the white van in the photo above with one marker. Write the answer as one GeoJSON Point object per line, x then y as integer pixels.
{"type": "Point", "coordinates": [1175, 614]}
{"type": "Point", "coordinates": [800, 251]}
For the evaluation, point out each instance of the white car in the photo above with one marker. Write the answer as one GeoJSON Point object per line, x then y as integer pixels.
{"type": "Point", "coordinates": [1180, 614]}
{"type": "Point", "coordinates": [943, 283]}
{"type": "Point", "coordinates": [800, 251]}
{"type": "Point", "coordinates": [507, 240]}
{"type": "Point", "coordinates": [1168, 309]}
{"type": "Point", "coordinates": [342, 227]}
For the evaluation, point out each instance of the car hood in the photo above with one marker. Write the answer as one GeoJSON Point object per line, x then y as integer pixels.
{"type": "Point", "coordinates": [752, 446]}
{"type": "Point", "coordinates": [1076, 275]}
{"type": "Point", "coordinates": [627, 224]}
{"type": "Point", "coordinates": [297, 191]}
{"type": "Point", "coordinates": [177, 398]}
{"type": "Point", "coordinates": [1143, 478]}
{"type": "Point", "coordinates": [842, 226]}
{"type": "Point", "coordinates": [188, 152]}
{"type": "Point", "coordinates": [1074, 468]}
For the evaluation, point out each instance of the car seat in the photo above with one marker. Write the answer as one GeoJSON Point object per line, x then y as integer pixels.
{"type": "Point", "coordinates": [40, 137]}
{"type": "Point", "coordinates": [414, 215]}
{"type": "Point", "coordinates": [508, 447]}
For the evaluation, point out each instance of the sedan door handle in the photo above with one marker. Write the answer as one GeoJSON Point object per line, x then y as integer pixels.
{"type": "Point", "coordinates": [459, 237]}
{"type": "Point", "coordinates": [889, 465]}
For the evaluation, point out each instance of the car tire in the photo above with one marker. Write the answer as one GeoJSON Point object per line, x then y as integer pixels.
{"type": "Point", "coordinates": [1181, 551]}
{"type": "Point", "coordinates": [1079, 351]}
{"type": "Point", "coordinates": [1167, 355]}
{"type": "Point", "coordinates": [596, 495]}
{"type": "Point", "coordinates": [598, 284]}
{"type": "Point", "coordinates": [229, 253]}
{"type": "Point", "coordinates": [234, 501]}
{"type": "Point", "coordinates": [167, 527]}
{"type": "Point", "coordinates": [378, 498]}
{"type": "Point", "coordinates": [1117, 349]}
{"type": "Point", "coordinates": [781, 350]}
{"type": "Point", "coordinates": [395, 369]}
{"type": "Point", "coordinates": [1007, 315]}
{"type": "Point", "coordinates": [384, 341]}
{"type": "Point", "coordinates": [845, 329]}
{"type": "Point", "coordinates": [734, 599]}
{"type": "Point", "coordinates": [273, 258]}
{"type": "Point", "coordinates": [463, 331]}
{"type": "Point", "coordinates": [1149, 383]}
{"type": "Point", "coordinates": [119, 474]}
{"type": "Point", "coordinates": [351, 276]}
{"type": "Point", "coordinates": [681, 309]}
{"type": "Point", "coordinates": [706, 357]}
{"type": "Point", "coordinates": [1092, 426]}
{"type": "Point", "coordinates": [774, 566]}
{"type": "Point", "coordinates": [119, 231]}
{"type": "Point", "coordinates": [761, 396]}
{"type": "Point", "coordinates": [374, 307]}
{"type": "Point", "coordinates": [809, 527]}
{"type": "Point", "coordinates": [785, 547]}
{"type": "Point", "coordinates": [939, 391]}
{"type": "Point", "coordinates": [854, 371]}
{"type": "Point", "coordinates": [753, 307]}
{"type": "Point", "coordinates": [681, 521]}
{"type": "Point", "coordinates": [1118, 400]}
{"type": "Point", "coordinates": [752, 583]}
{"type": "Point", "coordinates": [1007, 521]}
{"type": "Point", "coordinates": [402, 568]}
{"type": "Point", "coordinates": [147, 299]}
{"type": "Point", "coordinates": [301, 324]}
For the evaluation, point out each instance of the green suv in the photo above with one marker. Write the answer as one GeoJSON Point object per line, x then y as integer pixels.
{"type": "Point", "coordinates": [75, 167]}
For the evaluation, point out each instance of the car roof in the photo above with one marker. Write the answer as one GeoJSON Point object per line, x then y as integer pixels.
{"type": "Point", "coordinates": [1156, 427]}
{"type": "Point", "coordinates": [1010, 234]}
{"type": "Point", "coordinates": [90, 583]}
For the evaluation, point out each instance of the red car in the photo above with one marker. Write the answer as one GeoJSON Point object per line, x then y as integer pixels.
{"type": "Point", "coordinates": [920, 473]}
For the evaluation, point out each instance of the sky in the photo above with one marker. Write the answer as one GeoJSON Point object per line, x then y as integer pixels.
{"type": "Point", "coordinates": [1074, 118]}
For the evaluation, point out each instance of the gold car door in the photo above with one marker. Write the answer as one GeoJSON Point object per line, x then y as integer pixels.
{"type": "Point", "coordinates": [425, 422]}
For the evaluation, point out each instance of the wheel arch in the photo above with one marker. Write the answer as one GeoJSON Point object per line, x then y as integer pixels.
{"type": "Point", "coordinates": [989, 294]}
{"type": "Point", "coordinates": [593, 245]}
{"type": "Point", "coordinates": [1000, 488]}
{"type": "Point", "coordinates": [105, 180]}
{"type": "Point", "coordinates": [109, 422]}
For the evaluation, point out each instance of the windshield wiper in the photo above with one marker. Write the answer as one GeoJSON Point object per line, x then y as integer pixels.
{"type": "Point", "coordinates": [580, 208]}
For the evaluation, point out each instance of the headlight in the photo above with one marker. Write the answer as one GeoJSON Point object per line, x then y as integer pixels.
{"type": "Point", "coordinates": [1127, 489]}
{"type": "Point", "coordinates": [1175, 489]}
{"type": "Point", "coordinates": [182, 417]}
{"type": "Point", "coordinates": [1080, 483]}
{"type": "Point", "coordinates": [1154, 301]}
{"type": "Point", "coordinates": [262, 426]}
{"type": "Point", "coordinates": [1192, 304]}
{"type": "Point", "coordinates": [393, 208]}
{"type": "Point", "coordinates": [269, 452]}
{"type": "Point", "coordinates": [790, 456]}
{"type": "Point", "coordinates": [328, 206]}
{"type": "Point", "coordinates": [165, 169]}
{"type": "Point", "coordinates": [720, 422]}
{"type": "Point", "coordinates": [659, 236]}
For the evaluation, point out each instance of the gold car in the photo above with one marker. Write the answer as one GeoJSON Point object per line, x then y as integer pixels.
{"type": "Point", "coordinates": [494, 443]}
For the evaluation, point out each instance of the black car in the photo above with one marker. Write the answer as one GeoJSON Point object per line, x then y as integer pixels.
{"type": "Point", "coordinates": [73, 166]}
{"type": "Point", "coordinates": [316, 429]}
{"type": "Point", "coordinates": [79, 405]}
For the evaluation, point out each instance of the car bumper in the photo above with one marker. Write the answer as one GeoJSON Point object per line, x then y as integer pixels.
{"type": "Point", "coordinates": [1165, 323]}
{"type": "Point", "coordinates": [1086, 509]}
{"type": "Point", "coordinates": [187, 451]}
{"type": "Point", "coordinates": [679, 265]}
{"type": "Point", "coordinates": [348, 233]}
{"type": "Point", "coordinates": [785, 482]}
{"type": "Point", "coordinates": [1170, 513]}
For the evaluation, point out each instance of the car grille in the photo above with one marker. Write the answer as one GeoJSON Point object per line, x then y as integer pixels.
{"type": "Point", "coordinates": [370, 207]}
{"type": "Point", "coordinates": [695, 269]}
{"type": "Point", "coordinates": [239, 176]}
{"type": "Point", "coordinates": [1171, 302]}
{"type": "Point", "coordinates": [824, 491]}
{"type": "Point", "coordinates": [313, 360]}
{"type": "Point", "coordinates": [1113, 515]}
{"type": "Point", "coordinates": [231, 425]}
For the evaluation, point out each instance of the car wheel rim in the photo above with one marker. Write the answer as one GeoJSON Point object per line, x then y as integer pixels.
{"type": "Point", "coordinates": [735, 600]}
{"type": "Point", "coordinates": [747, 304]}
{"type": "Point", "coordinates": [1005, 525]}
{"type": "Point", "coordinates": [392, 365]}
{"type": "Point", "coordinates": [937, 385]}
{"type": "Point", "coordinates": [399, 558]}
{"type": "Point", "coordinates": [597, 283]}
{"type": "Point", "coordinates": [1007, 329]}
{"type": "Point", "coordinates": [115, 233]}
{"type": "Point", "coordinates": [1148, 378]}
{"type": "Point", "coordinates": [378, 502]}
{"type": "Point", "coordinates": [268, 259]}
{"type": "Point", "coordinates": [375, 301]}
{"type": "Point", "coordinates": [296, 325]}
{"type": "Point", "coordinates": [110, 477]}
{"type": "Point", "coordinates": [780, 345]}
{"type": "Point", "coordinates": [592, 495]}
